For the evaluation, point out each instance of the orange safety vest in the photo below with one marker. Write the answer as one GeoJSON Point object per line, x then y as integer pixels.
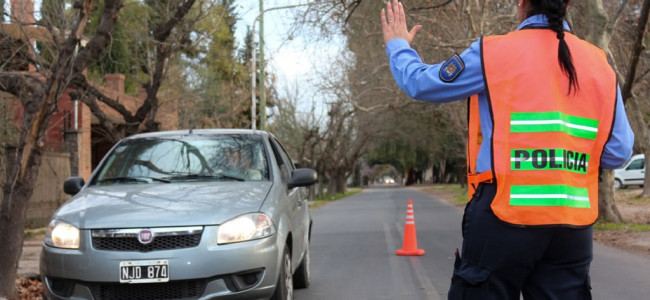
{"type": "Point", "coordinates": [546, 143]}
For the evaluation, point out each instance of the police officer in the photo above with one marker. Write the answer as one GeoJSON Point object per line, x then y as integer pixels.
{"type": "Point", "coordinates": [545, 114]}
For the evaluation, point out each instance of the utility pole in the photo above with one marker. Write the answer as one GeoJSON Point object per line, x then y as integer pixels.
{"type": "Point", "coordinates": [262, 74]}
{"type": "Point", "coordinates": [260, 16]}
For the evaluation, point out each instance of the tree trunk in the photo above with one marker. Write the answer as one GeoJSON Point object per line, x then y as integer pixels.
{"type": "Point", "coordinates": [607, 209]}
{"type": "Point", "coordinates": [641, 134]}
{"type": "Point", "coordinates": [333, 182]}
{"type": "Point", "coordinates": [12, 234]}
{"type": "Point", "coordinates": [342, 184]}
{"type": "Point", "coordinates": [598, 35]}
{"type": "Point", "coordinates": [321, 186]}
{"type": "Point", "coordinates": [337, 182]}
{"type": "Point", "coordinates": [23, 161]}
{"type": "Point", "coordinates": [646, 178]}
{"type": "Point", "coordinates": [15, 196]}
{"type": "Point", "coordinates": [638, 121]}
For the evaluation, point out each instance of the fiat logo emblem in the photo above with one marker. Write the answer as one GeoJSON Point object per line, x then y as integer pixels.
{"type": "Point", "coordinates": [145, 236]}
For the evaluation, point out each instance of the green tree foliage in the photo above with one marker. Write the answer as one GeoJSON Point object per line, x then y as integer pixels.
{"type": "Point", "coordinates": [219, 28]}
{"type": "Point", "coordinates": [127, 53]}
{"type": "Point", "coordinates": [220, 78]}
{"type": "Point", "coordinates": [53, 13]}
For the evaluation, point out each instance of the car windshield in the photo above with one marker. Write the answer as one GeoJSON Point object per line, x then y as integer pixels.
{"type": "Point", "coordinates": [186, 158]}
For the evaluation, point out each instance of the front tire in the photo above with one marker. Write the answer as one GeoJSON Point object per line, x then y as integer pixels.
{"type": "Point", "coordinates": [302, 277]}
{"type": "Point", "coordinates": [618, 184]}
{"type": "Point", "coordinates": [284, 287]}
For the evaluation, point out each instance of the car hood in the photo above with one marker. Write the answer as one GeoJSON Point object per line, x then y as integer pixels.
{"type": "Point", "coordinates": [155, 205]}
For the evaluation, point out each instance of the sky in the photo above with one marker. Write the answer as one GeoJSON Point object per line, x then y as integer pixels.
{"type": "Point", "coordinates": [287, 57]}
{"type": "Point", "coordinates": [294, 61]}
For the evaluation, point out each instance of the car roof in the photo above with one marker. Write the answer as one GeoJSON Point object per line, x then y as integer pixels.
{"type": "Point", "coordinates": [186, 132]}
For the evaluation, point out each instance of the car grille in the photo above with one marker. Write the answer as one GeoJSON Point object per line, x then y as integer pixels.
{"type": "Point", "coordinates": [168, 290]}
{"type": "Point", "coordinates": [164, 239]}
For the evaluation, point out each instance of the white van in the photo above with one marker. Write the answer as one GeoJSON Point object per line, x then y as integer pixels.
{"type": "Point", "coordinates": [631, 173]}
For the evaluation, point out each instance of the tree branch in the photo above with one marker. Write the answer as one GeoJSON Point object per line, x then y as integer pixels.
{"type": "Point", "coordinates": [163, 53]}
{"type": "Point", "coordinates": [636, 51]}
{"type": "Point", "coordinates": [102, 38]}
{"type": "Point", "coordinates": [162, 33]}
{"type": "Point", "coordinates": [352, 7]}
{"type": "Point", "coordinates": [86, 88]}
{"type": "Point", "coordinates": [22, 85]}
{"type": "Point", "coordinates": [431, 6]}
{"type": "Point", "coordinates": [105, 122]}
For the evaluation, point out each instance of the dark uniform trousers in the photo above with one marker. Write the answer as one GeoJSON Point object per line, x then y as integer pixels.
{"type": "Point", "coordinates": [499, 260]}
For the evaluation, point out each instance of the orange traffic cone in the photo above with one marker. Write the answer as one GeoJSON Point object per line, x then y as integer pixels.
{"type": "Point", "coordinates": [410, 244]}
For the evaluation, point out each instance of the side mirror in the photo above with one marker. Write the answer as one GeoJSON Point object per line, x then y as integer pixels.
{"type": "Point", "coordinates": [302, 177]}
{"type": "Point", "coordinates": [73, 185]}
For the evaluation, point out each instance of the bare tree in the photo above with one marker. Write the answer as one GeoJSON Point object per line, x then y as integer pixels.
{"type": "Point", "coordinates": [634, 102]}
{"type": "Point", "coordinates": [597, 33]}
{"type": "Point", "coordinates": [618, 28]}
{"type": "Point", "coordinates": [300, 131]}
{"type": "Point", "coordinates": [38, 78]}
{"type": "Point", "coordinates": [39, 93]}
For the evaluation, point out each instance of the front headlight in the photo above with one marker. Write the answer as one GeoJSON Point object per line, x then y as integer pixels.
{"type": "Point", "coordinates": [62, 235]}
{"type": "Point", "coordinates": [245, 228]}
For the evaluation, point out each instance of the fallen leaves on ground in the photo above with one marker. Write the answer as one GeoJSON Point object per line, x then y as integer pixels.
{"type": "Point", "coordinates": [29, 288]}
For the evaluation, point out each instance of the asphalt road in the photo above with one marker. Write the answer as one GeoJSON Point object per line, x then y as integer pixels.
{"type": "Point", "coordinates": [354, 242]}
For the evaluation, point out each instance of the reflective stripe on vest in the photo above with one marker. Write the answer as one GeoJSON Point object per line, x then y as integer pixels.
{"type": "Point", "coordinates": [546, 143]}
{"type": "Point", "coordinates": [549, 195]}
{"type": "Point", "coordinates": [554, 121]}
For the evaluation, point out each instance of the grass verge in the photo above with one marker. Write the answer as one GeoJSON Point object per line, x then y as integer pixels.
{"type": "Point", "coordinates": [29, 233]}
{"type": "Point", "coordinates": [318, 202]}
{"type": "Point", "coordinates": [454, 193]}
{"type": "Point", "coordinates": [457, 195]}
{"type": "Point", "coordinates": [628, 227]}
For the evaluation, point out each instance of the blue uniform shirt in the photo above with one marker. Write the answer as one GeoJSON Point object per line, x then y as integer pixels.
{"type": "Point", "coordinates": [422, 82]}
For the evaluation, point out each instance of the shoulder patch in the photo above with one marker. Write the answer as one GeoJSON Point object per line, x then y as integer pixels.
{"type": "Point", "coordinates": [452, 68]}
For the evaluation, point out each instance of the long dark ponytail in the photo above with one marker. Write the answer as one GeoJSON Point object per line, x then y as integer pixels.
{"type": "Point", "coordinates": [555, 10]}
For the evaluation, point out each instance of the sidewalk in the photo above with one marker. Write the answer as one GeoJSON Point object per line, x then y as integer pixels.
{"type": "Point", "coordinates": [28, 265]}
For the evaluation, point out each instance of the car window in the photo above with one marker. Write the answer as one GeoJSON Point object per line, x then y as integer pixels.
{"type": "Point", "coordinates": [284, 162]}
{"type": "Point", "coordinates": [636, 165]}
{"type": "Point", "coordinates": [186, 158]}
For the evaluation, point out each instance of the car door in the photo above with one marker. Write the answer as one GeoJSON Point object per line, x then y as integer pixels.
{"type": "Point", "coordinates": [298, 213]}
{"type": "Point", "coordinates": [635, 172]}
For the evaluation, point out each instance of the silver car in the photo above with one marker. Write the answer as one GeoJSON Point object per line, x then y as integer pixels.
{"type": "Point", "coordinates": [202, 214]}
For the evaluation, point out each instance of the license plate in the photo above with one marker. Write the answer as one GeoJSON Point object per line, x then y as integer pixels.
{"type": "Point", "coordinates": [144, 271]}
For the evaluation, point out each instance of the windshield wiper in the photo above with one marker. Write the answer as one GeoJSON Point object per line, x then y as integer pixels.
{"type": "Point", "coordinates": [205, 176]}
{"type": "Point", "coordinates": [231, 177]}
{"type": "Point", "coordinates": [133, 179]}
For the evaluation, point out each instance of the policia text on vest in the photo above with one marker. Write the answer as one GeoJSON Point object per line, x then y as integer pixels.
{"type": "Point", "coordinates": [549, 159]}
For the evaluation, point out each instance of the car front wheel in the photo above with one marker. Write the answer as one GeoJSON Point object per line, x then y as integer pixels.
{"type": "Point", "coordinates": [284, 287]}
{"type": "Point", "coordinates": [618, 184]}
